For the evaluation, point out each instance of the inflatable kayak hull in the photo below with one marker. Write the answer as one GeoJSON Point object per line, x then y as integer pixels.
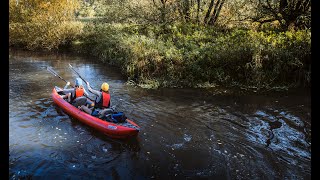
{"type": "Point", "coordinates": [110, 129]}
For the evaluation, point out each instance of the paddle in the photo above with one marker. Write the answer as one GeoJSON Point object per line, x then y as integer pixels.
{"type": "Point", "coordinates": [76, 73]}
{"type": "Point", "coordinates": [57, 75]}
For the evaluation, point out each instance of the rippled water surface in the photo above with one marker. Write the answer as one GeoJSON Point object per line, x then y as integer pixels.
{"type": "Point", "coordinates": [185, 133]}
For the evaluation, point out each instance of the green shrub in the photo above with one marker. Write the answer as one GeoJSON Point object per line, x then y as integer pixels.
{"type": "Point", "coordinates": [189, 55]}
{"type": "Point", "coordinates": [182, 54]}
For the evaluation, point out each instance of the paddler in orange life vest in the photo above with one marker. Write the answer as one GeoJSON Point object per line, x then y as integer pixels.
{"type": "Point", "coordinates": [75, 95]}
{"type": "Point", "coordinates": [103, 99]}
{"type": "Point", "coordinates": [102, 102]}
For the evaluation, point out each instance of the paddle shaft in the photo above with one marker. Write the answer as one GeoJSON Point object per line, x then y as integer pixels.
{"type": "Point", "coordinates": [56, 74]}
{"type": "Point", "coordinates": [77, 73]}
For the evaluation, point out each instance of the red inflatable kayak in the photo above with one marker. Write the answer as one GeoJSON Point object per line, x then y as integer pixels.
{"type": "Point", "coordinates": [114, 130]}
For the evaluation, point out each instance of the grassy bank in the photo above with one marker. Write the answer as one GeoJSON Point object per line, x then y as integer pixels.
{"type": "Point", "coordinates": [183, 55]}
{"type": "Point", "coordinates": [193, 56]}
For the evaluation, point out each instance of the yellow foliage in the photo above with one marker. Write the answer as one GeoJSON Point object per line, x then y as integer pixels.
{"type": "Point", "coordinates": [37, 35]}
{"type": "Point", "coordinates": [51, 11]}
{"type": "Point", "coordinates": [42, 24]}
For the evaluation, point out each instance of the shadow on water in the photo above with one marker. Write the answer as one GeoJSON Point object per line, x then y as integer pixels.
{"type": "Point", "coordinates": [185, 133]}
{"type": "Point", "coordinates": [130, 144]}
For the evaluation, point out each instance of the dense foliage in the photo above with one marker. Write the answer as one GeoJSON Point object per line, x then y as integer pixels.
{"type": "Point", "coordinates": [38, 24]}
{"type": "Point", "coordinates": [191, 55]}
{"type": "Point", "coordinates": [176, 43]}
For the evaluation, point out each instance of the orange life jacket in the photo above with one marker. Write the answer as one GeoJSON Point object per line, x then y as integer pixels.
{"type": "Point", "coordinates": [79, 91]}
{"type": "Point", "coordinates": [104, 101]}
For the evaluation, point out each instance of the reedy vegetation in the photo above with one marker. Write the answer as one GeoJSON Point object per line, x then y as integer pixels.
{"type": "Point", "coordinates": [157, 47]}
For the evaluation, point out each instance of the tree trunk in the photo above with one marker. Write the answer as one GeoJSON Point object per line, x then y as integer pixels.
{"type": "Point", "coordinates": [163, 11]}
{"type": "Point", "coordinates": [205, 21]}
{"type": "Point", "coordinates": [216, 12]}
{"type": "Point", "coordinates": [198, 10]}
{"type": "Point", "coordinates": [186, 10]}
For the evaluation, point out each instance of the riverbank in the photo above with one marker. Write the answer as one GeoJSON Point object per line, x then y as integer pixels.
{"type": "Point", "coordinates": [182, 55]}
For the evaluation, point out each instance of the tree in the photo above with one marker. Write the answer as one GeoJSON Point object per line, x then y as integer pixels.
{"type": "Point", "coordinates": [42, 24]}
{"type": "Point", "coordinates": [51, 11]}
{"type": "Point", "coordinates": [216, 12]}
{"type": "Point", "coordinates": [211, 19]}
{"type": "Point", "coordinates": [289, 13]}
{"type": "Point", "coordinates": [186, 10]}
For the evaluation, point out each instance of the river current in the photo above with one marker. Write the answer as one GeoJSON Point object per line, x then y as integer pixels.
{"type": "Point", "coordinates": [185, 133]}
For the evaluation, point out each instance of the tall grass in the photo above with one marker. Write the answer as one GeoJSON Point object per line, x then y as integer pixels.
{"type": "Point", "coordinates": [192, 55]}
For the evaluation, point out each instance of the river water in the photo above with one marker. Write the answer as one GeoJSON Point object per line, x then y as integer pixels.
{"type": "Point", "coordinates": [185, 133]}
